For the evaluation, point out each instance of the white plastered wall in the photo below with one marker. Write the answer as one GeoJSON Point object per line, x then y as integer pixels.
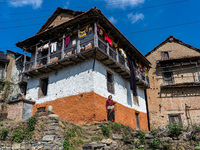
{"type": "Point", "coordinates": [80, 78]}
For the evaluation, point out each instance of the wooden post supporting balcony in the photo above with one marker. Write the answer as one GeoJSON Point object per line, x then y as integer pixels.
{"type": "Point", "coordinates": [78, 42]}
{"type": "Point", "coordinates": [107, 49]}
{"type": "Point", "coordinates": [24, 64]}
{"type": "Point", "coordinates": [36, 50]}
{"type": "Point", "coordinates": [117, 55]}
{"type": "Point", "coordinates": [63, 47]}
{"type": "Point", "coordinates": [49, 53]}
{"type": "Point", "coordinates": [95, 35]}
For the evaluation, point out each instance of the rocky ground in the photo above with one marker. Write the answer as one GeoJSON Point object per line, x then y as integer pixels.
{"type": "Point", "coordinates": [51, 133]}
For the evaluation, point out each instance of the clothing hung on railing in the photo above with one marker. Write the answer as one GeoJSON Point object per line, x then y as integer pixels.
{"type": "Point", "coordinates": [45, 46]}
{"type": "Point", "coordinates": [67, 40]}
{"type": "Point", "coordinates": [107, 38]}
{"type": "Point", "coordinates": [132, 77]}
{"type": "Point", "coordinates": [53, 47]}
{"type": "Point", "coordinates": [122, 52]}
{"type": "Point", "coordinates": [82, 34]}
{"type": "Point", "coordinates": [146, 72]}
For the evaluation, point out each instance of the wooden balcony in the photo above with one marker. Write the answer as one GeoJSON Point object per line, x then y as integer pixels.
{"type": "Point", "coordinates": [71, 55]}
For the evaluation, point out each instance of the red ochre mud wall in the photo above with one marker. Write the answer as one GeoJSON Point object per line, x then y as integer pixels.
{"type": "Point", "coordinates": [89, 108]}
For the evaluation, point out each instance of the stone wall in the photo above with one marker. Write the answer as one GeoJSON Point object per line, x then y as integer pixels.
{"type": "Point", "coordinates": [90, 108]}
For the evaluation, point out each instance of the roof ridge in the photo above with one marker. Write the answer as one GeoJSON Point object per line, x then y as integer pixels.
{"type": "Point", "coordinates": [172, 39]}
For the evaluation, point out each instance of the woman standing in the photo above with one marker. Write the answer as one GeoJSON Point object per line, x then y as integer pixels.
{"type": "Point", "coordinates": [110, 109]}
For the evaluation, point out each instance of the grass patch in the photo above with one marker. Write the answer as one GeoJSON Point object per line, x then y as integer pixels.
{"type": "Point", "coordinates": [106, 130]}
{"type": "Point", "coordinates": [96, 138]}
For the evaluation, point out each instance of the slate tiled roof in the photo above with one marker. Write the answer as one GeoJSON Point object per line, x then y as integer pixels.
{"type": "Point", "coordinates": [3, 57]}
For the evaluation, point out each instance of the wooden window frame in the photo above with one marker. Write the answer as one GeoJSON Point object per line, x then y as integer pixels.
{"type": "Point", "coordinates": [137, 118]}
{"type": "Point", "coordinates": [174, 115]}
{"type": "Point", "coordinates": [161, 53]}
{"type": "Point", "coordinates": [110, 85]}
{"type": "Point", "coordinates": [168, 81]}
{"type": "Point", "coordinates": [40, 91]}
{"type": "Point", "coordinates": [136, 100]}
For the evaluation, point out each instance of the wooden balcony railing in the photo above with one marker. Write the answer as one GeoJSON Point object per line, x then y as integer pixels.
{"type": "Point", "coordinates": [84, 45]}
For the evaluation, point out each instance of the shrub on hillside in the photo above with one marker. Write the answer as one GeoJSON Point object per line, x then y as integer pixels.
{"type": "Point", "coordinates": [175, 129]}
{"type": "Point", "coordinates": [3, 133]}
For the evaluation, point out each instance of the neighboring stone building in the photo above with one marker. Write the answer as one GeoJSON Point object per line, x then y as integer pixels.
{"type": "Point", "coordinates": [3, 65]}
{"type": "Point", "coordinates": [175, 83]}
{"type": "Point", "coordinates": [77, 60]}
{"type": "Point", "coordinates": [18, 81]}
{"type": "Point", "coordinates": [12, 81]}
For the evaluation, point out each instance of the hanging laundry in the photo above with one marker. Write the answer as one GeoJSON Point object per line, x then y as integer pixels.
{"type": "Point", "coordinates": [132, 77]}
{"type": "Point", "coordinates": [45, 46]}
{"type": "Point", "coordinates": [107, 38]}
{"type": "Point", "coordinates": [67, 40]}
{"type": "Point", "coordinates": [101, 32]}
{"type": "Point", "coordinates": [114, 44]}
{"type": "Point", "coordinates": [53, 47]}
{"type": "Point", "coordinates": [74, 42]}
{"type": "Point", "coordinates": [141, 69]}
{"type": "Point", "coordinates": [90, 29]}
{"type": "Point", "coordinates": [82, 34]}
{"type": "Point", "coordinates": [40, 49]}
{"type": "Point", "coordinates": [122, 52]}
{"type": "Point", "coordinates": [146, 72]}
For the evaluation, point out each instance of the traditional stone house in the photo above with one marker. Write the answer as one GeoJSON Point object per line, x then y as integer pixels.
{"type": "Point", "coordinates": [77, 60]}
{"type": "Point", "coordinates": [12, 81]}
{"type": "Point", "coordinates": [3, 65]}
{"type": "Point", "coordinates": [175, 83]}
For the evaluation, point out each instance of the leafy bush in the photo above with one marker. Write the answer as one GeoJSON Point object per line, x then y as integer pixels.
{"type": "Point", "coordinates": [31, 123]}
{"type": "Point", "coordinates": [66, 144]}
{"type": "Point", "coordinates": [155, 143]}
{"type": "Point", "coordinates": [18, 134]}
{"type": "Point", "coordinates": [128, 137]}
{"type": "Point", "coordinates": [140, 135]}
{"type": "Point", "coordinates": [105, 130]}
{"type": "Point", "coordinates": [196, 128]}
{"type": "Point", "coordinates": [175, 129]}
{"type": "Point", "coordinates": [3, 133]}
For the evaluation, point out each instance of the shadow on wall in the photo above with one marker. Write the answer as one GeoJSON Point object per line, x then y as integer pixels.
{"type": "Point", "coordinates": [180, 92]}
{"type": "Point", "coordinates": [123, 85]}
{"type": "Point", "coordinates": [65, 73]}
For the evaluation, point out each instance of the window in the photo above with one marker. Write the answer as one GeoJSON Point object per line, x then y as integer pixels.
{"type": "Point", "coordinates": [41, 109]}
{"type": "Point", "coordinates": [137, 121]}
{"type": "Point", "coordinates": [168, 77]}
{"type": "Point", "coordinates": [164, 55]}
{"type": "Point", "coordinates": [110, 83]}
{"type": "Point", "coordinates": [135, 99]}
{"type": "Point", "coordinates": [175, 118]}
{"type": "Point", "coordinates": [1, 73]}
{"type": "Point", "coordinates": [43, 87]}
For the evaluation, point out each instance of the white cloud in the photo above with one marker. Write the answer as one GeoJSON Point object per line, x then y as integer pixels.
{"type": "Point", "coordinates": [135, 18]}
{"type": "Point", "coordinates": [34, 3]}
{"type": "Point", "coordinates": [123, 3]}
{"type": "Point", "coordinates": [66, 5]}
{"type": "Point", "coordinates": [112, 20]}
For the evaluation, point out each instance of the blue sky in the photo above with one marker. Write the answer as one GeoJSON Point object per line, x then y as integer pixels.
{"type": "Point", "coordinates": [126, 22]}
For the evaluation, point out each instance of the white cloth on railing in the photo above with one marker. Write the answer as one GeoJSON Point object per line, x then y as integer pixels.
{"type": "Point", "coordinates": [74, 42]}
{"type": "Point", "coordinates": [45, 46]}
{"type": "Point", "coordinates": [40, 49]}
{"type": "Point", "coordinates": [53, 47]}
